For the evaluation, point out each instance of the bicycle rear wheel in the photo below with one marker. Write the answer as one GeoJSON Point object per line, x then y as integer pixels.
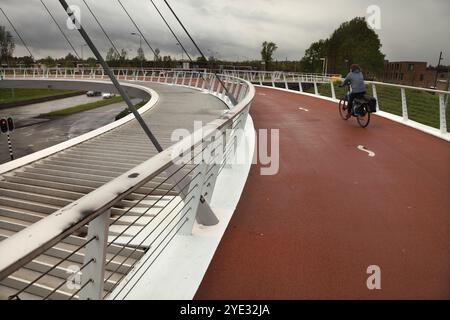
{"type": "Point", "coordinates": [343, 109]}
{"type": "Point", "coordinates": [364, 118]}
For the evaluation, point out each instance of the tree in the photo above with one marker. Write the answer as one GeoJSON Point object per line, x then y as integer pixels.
{"type": "Point", "coordinates": [112, 55]}
{"type": "Point", "coordinates": [353, 42]}
{"type": "Point", "coordinates": [268, 49]}
{"type": "Point", "coordinates": [123, 54]}
{"type": "Point", "coordinates": [27, 61]}
{"type": "Point", "coordinates": [311, 61]}
{"type": "Point", "coordinates": [140, 54]}
{"type": "Point", "coordinates": [7, 44]}
{"type": "Point", "coordinates": [167, 62]}
{"type": "Point", "coordinates": [49, 62]}
{"type": "Point", "coordinates": [157, 55]}
{"type": "Point", "coordinates": [69, 61]}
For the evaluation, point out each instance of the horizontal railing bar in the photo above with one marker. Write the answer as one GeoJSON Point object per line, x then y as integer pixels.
{"type": "Point", "coordinates": [29, 243]}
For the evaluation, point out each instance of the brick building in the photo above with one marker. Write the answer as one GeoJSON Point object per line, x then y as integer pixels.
{"type": "Point", "coordinates": [416, 74]}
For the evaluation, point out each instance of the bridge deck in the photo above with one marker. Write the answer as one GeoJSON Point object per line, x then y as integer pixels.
{"type": "Point", "coordinates": [45, 186]}
{"type": "Point", "coordinates": [312, 230]}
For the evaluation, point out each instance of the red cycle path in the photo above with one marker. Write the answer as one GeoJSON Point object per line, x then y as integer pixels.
{"type": "Point", "coordinates": [311, 231]}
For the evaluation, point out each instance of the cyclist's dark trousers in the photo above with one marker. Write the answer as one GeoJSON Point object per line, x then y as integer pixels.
{"type": "Point", "coordinates": [352, 97]}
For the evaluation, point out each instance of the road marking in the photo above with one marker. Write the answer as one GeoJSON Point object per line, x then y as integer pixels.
{"type": "Point", "coordinates": [262, 94]}
{"type": "Point", "coordinates": [371, 153]}
{"type": "Point", "coordinates": [303, 109]}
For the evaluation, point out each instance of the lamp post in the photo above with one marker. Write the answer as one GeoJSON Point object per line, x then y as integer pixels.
{"type": "Point", "coordinates": [82, 54]}
{"type": "Point", "coordinates": [437, 70]}
{"type": "Point", "coordinates": [325, 65]}
{"type": "Point", "coordinates": [140, 46]}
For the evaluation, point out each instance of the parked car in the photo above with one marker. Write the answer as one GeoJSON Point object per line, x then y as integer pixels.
{"type": "Point", "coordinates": [93, 94]}
{"type": "Point", "coordinates": [108, 95]}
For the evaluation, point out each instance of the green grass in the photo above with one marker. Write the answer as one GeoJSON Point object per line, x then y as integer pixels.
{"type": "Point", "coordinates": [81, 108]}
{"type": "Point", "coordinates": [17, 95]}
{"type": "Point", "coordinates": [423, 107]}
{"type": "Point", "coordinates": [126, 112]}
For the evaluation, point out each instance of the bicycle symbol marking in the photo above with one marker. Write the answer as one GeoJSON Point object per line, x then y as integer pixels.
{"type": "Point", "coordinates": [371, 153]}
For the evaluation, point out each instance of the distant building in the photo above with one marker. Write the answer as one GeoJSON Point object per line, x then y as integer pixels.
{"type": "Point", "coordinates": [416, 74]}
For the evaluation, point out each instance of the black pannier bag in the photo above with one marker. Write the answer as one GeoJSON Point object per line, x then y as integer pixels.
{"type": "Point", "coordinates": [372, 103]}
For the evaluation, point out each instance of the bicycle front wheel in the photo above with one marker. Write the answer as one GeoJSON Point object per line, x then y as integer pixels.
{"type": "Point", "coordinates": [343, 109]}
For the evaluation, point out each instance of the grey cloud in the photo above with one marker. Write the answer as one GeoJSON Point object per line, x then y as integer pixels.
{"type": "Point", "coordinates": [411, 30]}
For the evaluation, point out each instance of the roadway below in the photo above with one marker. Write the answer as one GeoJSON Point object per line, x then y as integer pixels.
{"type": "Point", "coordinates": [312, 230]}
{"type": "Point", "coordinates": [34, 134]}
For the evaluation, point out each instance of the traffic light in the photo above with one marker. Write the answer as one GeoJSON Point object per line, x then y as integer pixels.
{"type": "Point", "coordinates": [3, 125]}
{"type": "Point", "coordinates": [10, 124]}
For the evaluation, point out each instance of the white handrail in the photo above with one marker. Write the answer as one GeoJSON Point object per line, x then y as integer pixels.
{"type": "Point", "coordinates": [32, 241]}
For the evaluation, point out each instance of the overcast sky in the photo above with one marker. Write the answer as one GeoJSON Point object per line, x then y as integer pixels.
{"type": "Point", "coordinates": [235, 29]}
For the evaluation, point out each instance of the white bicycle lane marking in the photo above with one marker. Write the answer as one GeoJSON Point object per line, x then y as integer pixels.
{"type": "Point", "coordinates": [371, 153]}
{"type": "Point", "coordinates": [303, 109]}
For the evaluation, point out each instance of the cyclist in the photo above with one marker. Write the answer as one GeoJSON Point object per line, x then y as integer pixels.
{"type": "Point", "coordinates": [355, 78]}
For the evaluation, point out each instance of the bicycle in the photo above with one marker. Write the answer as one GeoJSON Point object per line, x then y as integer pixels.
{"type": "Point", "coordinates": [361, 110]}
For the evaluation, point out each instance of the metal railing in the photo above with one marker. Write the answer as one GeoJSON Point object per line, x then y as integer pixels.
{"type": "Point", "coordinates": [427, 107]}
{"type": "Point", "coordinates": [86, 249]}
{"type": "Point", "coordinates": [274, 77]}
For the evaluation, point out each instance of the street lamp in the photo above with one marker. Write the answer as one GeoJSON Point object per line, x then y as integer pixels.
{"type": "Point", "coordinates": [82, 55]}
{"type": "Point", "coordinates": [140, 45]}
{"type": "Point", "coordinates": [325, 65]}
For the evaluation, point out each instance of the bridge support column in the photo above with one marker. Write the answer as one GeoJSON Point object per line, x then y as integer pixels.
{"type": "Point", "coordinates": [195, 205]}
{"type": "Point", "coordinates": [442, 113]}
{"type": "Point", "coordinates": [94, 273]}
{"type": "Point", "coordinates": [404, 105]}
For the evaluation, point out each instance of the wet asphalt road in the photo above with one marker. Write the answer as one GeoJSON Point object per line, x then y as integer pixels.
{"type": "Point", "coordinates": [26, 115]}
{"type": "Point", "coordinates": [46, 133]}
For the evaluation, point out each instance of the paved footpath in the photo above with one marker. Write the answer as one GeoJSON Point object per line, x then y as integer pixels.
{"type": "Point", "coordinates": [312, 231]}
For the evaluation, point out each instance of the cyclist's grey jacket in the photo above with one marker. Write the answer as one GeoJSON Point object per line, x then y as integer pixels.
{"type": "Point", "coordinates": [356, 80]}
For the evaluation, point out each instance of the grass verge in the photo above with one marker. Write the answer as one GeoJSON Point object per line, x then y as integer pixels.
{"type": "Point", "coordinates": [81, 108]}
{"type": "Point", "coordinates": [18, 95]}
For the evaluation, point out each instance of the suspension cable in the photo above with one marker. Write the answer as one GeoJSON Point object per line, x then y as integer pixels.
{"type": "Point", "coordinates": [18, 34]}
{"type": "Point", "coordinates": [185, 30]}
{"type": "Point", "coordinates": [171, 30]}
{"type": "Point", "coordinates": [101, 27]}
{"type": "Point", "coordinates": [137, 28]}
{"type": "Point", "coordinates": [62, 32]}
{"type": "Point", "coordinates": [112, 77]}
{"type": "Point", "coordinates": [200, 51]}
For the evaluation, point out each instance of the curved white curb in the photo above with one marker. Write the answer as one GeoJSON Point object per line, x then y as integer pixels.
{"type": "Point", "coordinates": [4, 168]}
